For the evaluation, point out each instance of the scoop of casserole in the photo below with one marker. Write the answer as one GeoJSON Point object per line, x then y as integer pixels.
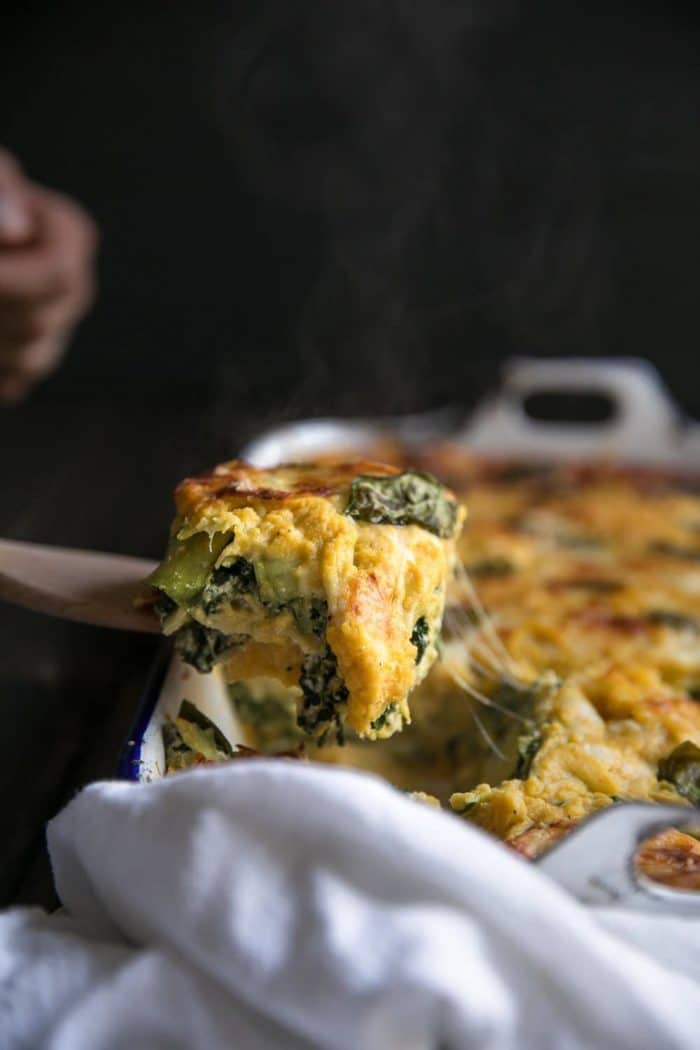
{"type": "Point", "coordinates": [328, 578]}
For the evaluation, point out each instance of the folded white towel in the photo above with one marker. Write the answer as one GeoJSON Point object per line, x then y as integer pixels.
{"type": "Point", "coordinates": [281, 904]}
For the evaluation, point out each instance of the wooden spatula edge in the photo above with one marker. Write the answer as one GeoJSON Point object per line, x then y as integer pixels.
{"type": "Point", "coordinates": [86, 586]}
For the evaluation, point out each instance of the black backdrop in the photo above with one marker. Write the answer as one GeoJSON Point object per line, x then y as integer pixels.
{"type": "Point", "coordinates": [408, 191]}
{"type": "Point", "coordinates": [306, 208]}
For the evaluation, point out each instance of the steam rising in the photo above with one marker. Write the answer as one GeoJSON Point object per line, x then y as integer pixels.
{"type": "Point", "coordinates": [450, 157]}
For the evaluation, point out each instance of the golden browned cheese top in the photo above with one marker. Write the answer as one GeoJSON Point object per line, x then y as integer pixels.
{"type": "Point", "coordinates": [237, 483]}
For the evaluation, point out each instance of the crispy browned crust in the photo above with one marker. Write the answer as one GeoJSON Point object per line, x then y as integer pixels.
{"type": "Point", "coordinates": [536, 840]}
{"type": "Point", "coordinates": [238, 482]}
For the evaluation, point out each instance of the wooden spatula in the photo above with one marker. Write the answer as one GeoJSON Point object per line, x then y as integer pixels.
{"type": "Point", "coordinates": [77, 585]}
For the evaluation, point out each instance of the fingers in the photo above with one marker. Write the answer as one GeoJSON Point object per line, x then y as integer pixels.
{"type": "Point", "coordinates": [47, 250]}
{"type": "Point", "coordinates": [15, 213]}
{"type": "Point", "coordinates": [57, 257]}
{"type": "Point", "coordinates": [23, 322]}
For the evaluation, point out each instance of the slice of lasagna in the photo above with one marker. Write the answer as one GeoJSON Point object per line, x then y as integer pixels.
{"type": "Point", "coordinates": [329, 579]}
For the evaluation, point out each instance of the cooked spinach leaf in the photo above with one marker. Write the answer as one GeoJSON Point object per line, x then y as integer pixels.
{"type": "Point", "coordinates": [187, 564]}
{"type": "Point", "coordinates": [202, 647]}
{"type": "Point", "coordinates": [420, 637]}
{"type": "Point", "coordinates": [193, 739]}
{"type": "Point", "coordinates": [270, 583]}
{"type": "Point", "coordinates": [669, 618]}
{"type": "Point", "coordinates": [529, 744]}
{"type": "Point", "coordinates": [192, 716]}
{"type": "Point", "coordinates": [412, 498]}
{"type": "Point", "coordinates": [682, 769]}
{"type": "Point", "coordinates": [277, 580]}
{"type": "Point", "coordinates": [324, 696]}
{"type": "Point", "coordinates": [310, 615]}
{"type": "Point", "coordinates": [226, 585]}
{"type": "Point", "coordinates": [389, 715]}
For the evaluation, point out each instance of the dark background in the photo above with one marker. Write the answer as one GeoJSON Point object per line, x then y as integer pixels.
{"type": "Point", "coordinates": [309, 208]}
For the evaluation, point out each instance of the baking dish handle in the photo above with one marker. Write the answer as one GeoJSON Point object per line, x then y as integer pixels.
{"type": "Point", "coordinates": [644, 421]}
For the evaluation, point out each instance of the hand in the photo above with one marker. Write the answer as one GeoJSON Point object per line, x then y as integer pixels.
{"type": "Point", "coordinates": [47, 250]}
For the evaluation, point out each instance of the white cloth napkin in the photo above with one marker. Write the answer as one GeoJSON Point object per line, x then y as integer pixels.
{"type": "Point", "coordinates": [281, 904]}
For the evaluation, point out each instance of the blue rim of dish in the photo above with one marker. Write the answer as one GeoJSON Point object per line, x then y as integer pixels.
{"type": "Point", "coordinates": [129, 763]}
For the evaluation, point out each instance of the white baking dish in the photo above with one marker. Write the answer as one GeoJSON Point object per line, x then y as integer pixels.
{"type": "Point", "coordinates": [645, 428]}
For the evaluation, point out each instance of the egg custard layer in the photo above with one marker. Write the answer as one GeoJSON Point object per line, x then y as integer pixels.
{"type": "Point", "coordinates": [329, 580]}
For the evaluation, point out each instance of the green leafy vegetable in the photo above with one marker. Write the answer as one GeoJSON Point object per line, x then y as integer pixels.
{"type": "Point", "coordinates": [390, 717]}
{"type": "Point", "coordinates": [682, 769]}
{"type": "Point", "coordinates": [226, 585]}
{"type": "Point", "coordinates": [310, 615]}
{"type": "Point", "coordinates": [420, 637]}
{"type": "Point", "coordinates": [187, 565]}
{"type": "Point", "coordinates": [273, 583]}
{"type": "Point", "coordinates": [668, 618]}
{"type": "Point", "coordinates": [202, 647]}
{"type": "Point", "coordinates": [324, 696]}
{"type": "Point", "coordinates": [529, 744]}
{"type": "Point", "coordinates": [411, 498]}
{"type": "Point", "coordinates": [277, 580]}
{"type": "Point", "coordinates": [201, 733]}
{"type": "Point", "coordinates": [193, 739]}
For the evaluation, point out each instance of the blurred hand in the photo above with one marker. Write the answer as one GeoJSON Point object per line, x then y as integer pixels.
{"type": "Point", "coordinates": [47, 250]}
